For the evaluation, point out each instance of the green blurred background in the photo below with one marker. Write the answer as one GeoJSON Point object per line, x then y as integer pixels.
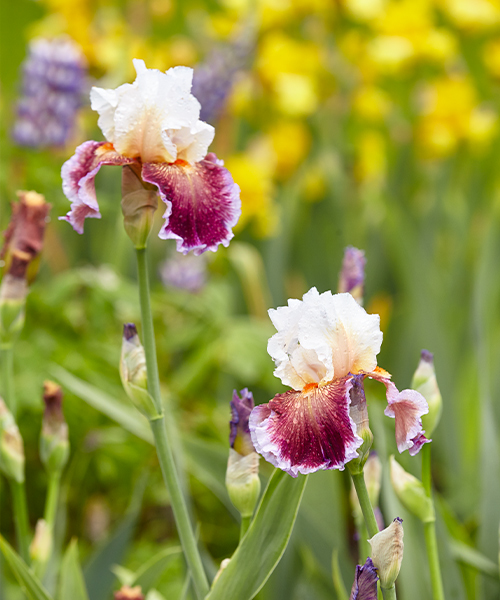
{"type": "Point", "coordinates": [371, 123]}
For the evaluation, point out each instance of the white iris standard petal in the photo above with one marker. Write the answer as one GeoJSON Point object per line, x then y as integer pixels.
{"type": "Point", "coordinates": [156, 118]}
{"type": "Point", "coordinates": [322, 338]}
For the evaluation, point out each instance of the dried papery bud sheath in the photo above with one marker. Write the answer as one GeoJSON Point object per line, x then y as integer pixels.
{"type": "Point", "coordinates": [129, 593]}
{"type": "Point", "coordinates": [54, 441]}
{"type": "Point", "coordinates": [139, 203]}
{"type": "Point", "coordinates": [425, 382]}
{"type": "Point", "coordinates": [242, 475]}
{"type": "Point", "coordinates": [133, 371]}
{"type": "Point", "coordinates": [26, 228]}
{"type": "Point", "coordinates": [358, 412]}
{"type": "Point", "coordinates": [411, 493]}
{"type": "Point", "coordinates": [11, 446]}
{"type": "Point", "coordinates": [387, 552]}
{"type": "Point", "coordinates": [352, 274]}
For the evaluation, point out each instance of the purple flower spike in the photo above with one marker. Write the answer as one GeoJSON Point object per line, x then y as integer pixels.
{"type": "Point", "coordinates": [239, 432]}
{"type": "Point", "coordinates": [309, 430]}
{"type": "Point", "coordinates": [54, 81]}
{"type": "Point", "coordinates": [365, 582]}
{"type": "Point", "coordinates": [352, 275]}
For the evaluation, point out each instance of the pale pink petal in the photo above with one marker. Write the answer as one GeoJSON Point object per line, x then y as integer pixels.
{"type": "Point", "coordinates": [203, 202]}
{"type": "Point", "coordinates": [78, 175]}
{"type": "Point", "coordinates": [407, 408]}
{"type": "Point", "coordinates": [303, 432]}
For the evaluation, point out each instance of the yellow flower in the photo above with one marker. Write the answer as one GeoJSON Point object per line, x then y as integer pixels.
{"type": "Point", "coordinates": [365, 10]}
{"type": "Point", "coordinates": [473, 15]}
{"type": "Point", "coordinates": [290, 141]}
{"type": "Point", "coordinates": [371, 161]}
{"type": "Point", "coordinates": [371, 103]}
{"type": "Point", "coordinates": [254, 176]}
{"type": "Point", "coordinates": [491, 55]}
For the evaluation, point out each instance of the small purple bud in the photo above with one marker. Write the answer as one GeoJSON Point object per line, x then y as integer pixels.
{"type": "Point", "coordinates": [352, 275]}
{"type": "Point", "coordinates": [239, 434]}
{"type": "Point", "coordinates": [129, 331]}
{"type": "Point", "coordinates": [365, 582]}
{"type": "Point", "coordinates": [427, 356]}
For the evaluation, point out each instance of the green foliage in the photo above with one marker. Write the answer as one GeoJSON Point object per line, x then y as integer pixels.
{"type": "Point", "coordinates": [71, 582]}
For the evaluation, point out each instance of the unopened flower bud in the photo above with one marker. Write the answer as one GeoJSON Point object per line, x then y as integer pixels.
{"type": "Point", "coordinates": [128, 593]}
{"type": "Point", "coordinates": [425, 382]}
{"type": "Point", "coordinates": [11, 446]}
{"type": "Point", "coordinates": [41, 546]}
{"type": "Point", "coordinates": [139, 204]}
{"type": "Point", "coordinates": [224, 563]}
{"type": "Point", "coordinates": [387, 552]}
{"type": "Point", "coordinates": [411, 493]}
{"type": "Point", "coordinates": [365, 582]}
{"type": "Point", "coordinates": [359, 414]}
{"type": "Point", "coordinates": [352, 274]}
{"type": "Point", "coordinates": [133, 371]}
{"type": "Point", "coordinates": [54, 442]}
{"type": "Point", "coordinates": [13, 292]}
{"type": "Point", "coordinates": [242, 475]}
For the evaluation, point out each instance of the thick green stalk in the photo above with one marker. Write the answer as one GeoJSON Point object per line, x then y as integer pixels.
{"type": "Point", "coordinates": [364, 501]}
{"type": "Point", "coordinates": [245, 524]}
{"type": "Point", "coordinates": [389, 593]}
{"type": "Point", "coordinates": [51, 499]}
{"type": "Point", "coordinates": [9, 395]}
{"type": "Point", "coordinates": [21, 522]}
{"type": "Point", "coordinates": [163, 448]}
{"type": "Point", "coordinates": [430, 530]}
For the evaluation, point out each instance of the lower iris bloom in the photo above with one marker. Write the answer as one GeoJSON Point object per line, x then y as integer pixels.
{"type": "Point", "coordinates": [324, 347]}
{"type": "Point", "coordinates": [153, 125]}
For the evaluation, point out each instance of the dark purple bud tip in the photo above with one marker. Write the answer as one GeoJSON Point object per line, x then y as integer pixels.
{"type": "Point", "coordinates": [399, 520]}
{"type": "Point", "coordinates": [52, 397]}
{"type": "Point", "coordinates": [239, 432]}
{"type": "Point", "coordinates": [129, 331]}
{"type": "Point", "coordinates": [427, 356]}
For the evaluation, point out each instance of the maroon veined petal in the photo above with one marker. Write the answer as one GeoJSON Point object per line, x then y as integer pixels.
{"type": "Point", "coordinates": [407, 408]}
{"type": "Point", "coordinates": [303, 432]}
{"type": "Point", "coordinates": [78, 175]}
{"type": "Point", "coordinates": [365, 582]}
{"type": "Point", "coordinates": [203, 202]}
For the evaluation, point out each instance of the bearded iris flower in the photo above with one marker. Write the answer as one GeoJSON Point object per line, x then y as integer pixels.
{"type": "Point", "coordinates": [324, 347]}
{"type": "Point", "coordinates": [153, 125]}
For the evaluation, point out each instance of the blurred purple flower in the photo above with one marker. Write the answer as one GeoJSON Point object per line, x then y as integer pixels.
{"type": "Point", "coordinates": [352, 275]}
{"type": "Point", "coordinates": [184, 272]}
{"type": "Point", "coordinates": [214, 78]}
{"type": "Point", "coordinates": [365, 582]}
{"type": "Point", "coordinates": [54, 84]}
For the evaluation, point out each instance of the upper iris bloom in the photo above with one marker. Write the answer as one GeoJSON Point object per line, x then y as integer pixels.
{"type": "Point", "coordinates": [153, 125]}
{"type": "Point", "coordinates": [325, 346]}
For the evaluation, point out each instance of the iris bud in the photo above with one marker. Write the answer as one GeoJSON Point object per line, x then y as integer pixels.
{"type": "Point", "coordinates": [352, 274]}
{"type": "Point", "coordinates": [425, 382]}
{"type": "Point", "coordinates": [11, 446]}
{"type": "Point", "coordinates": [411, 493]}
{"type": "Point", "coordinates": [359, 414]}
{"type": "Point", "coordinates": [387, 552]}
{"type": "Point", "coordinates": [128, 593]}
{"type": "Point", "coordinates": [139, 204]}
{"type": "Point", "coordinates": [41, 546]}
{"type": "Point", "coordinates": [133, 372]}
{"type": "Point", "coordinates": [54, 442]}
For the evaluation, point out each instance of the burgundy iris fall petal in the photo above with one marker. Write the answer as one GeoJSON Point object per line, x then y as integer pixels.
{"type": "Point", "coordinates": [365, 582]}
{"type": "Point", "coordinates": [305, 431]}
{"type": "Point", "coordinates": [78, 175]}
{"type": "Point", "coordinates": [203, 202]}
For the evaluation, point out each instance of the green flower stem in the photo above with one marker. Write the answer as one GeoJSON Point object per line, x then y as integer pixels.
{"type": "Point", "coordinates": [21, 522]}
{"type": "Point", "coordinates": [52, 498]}
{"type": "Point", "coordinates": [163, 448]}
{"type": "Point", "coordinates": [364, 501]}
{"type": "Point", "coordinates": [245, 524]}
{"type": "Point", "coordinates": [389, 593]}
{"type": "Point", "coordinates": [430, 530]}
{"type": "Point", "coordinates": [9, 395]}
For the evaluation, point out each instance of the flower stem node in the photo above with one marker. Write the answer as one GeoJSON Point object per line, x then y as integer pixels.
{"type": "Point", "coordinates": [139, 204]}
{"type": "Point", "coordinates": [11, 446]}
{"type": "Point", "coordinates": [54, 441]}
{"type": "Point", "coordinates": [242, 481]}
{"type": "Point", "coordinates": [133, 372]}
{"type": "Point", "coordinates": [411, 493]}
{"type": "Point", "coordinates": [387, 552]}
{"type": "Point", "coordinates": [425, 382]}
